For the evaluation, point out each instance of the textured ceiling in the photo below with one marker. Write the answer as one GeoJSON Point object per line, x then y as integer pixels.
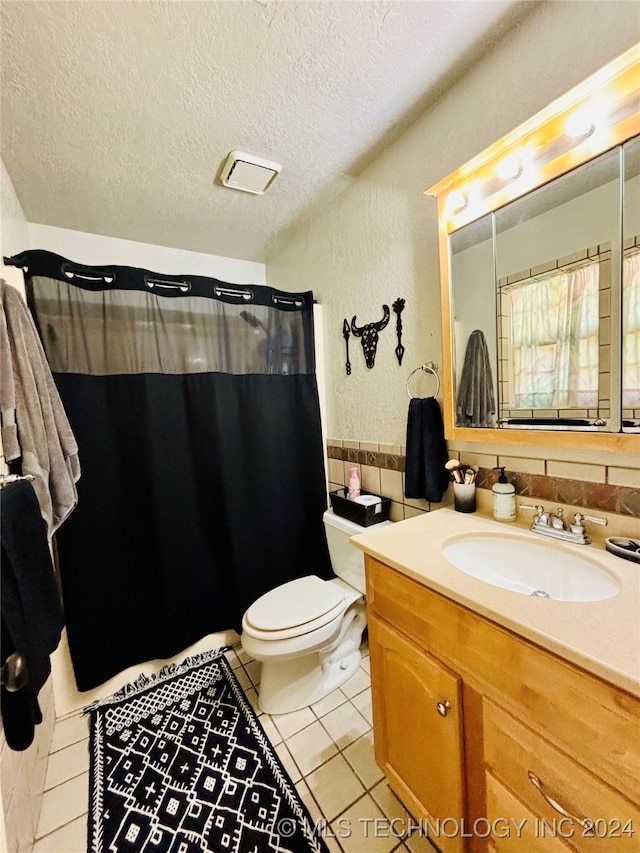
{"type": "Point", "coordinates": [117, 116]}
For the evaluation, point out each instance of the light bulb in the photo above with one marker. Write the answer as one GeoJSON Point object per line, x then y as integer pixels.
{"type": "Point", "coordinates": [509, 169]}
{"type": "Point", "coordinates": [456, 201]}
{"type": "Point", "coordinates": [580, 124]}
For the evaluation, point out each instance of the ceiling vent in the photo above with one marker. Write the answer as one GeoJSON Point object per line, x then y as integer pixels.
{"type": "Point", "coordinates": [249, 173]}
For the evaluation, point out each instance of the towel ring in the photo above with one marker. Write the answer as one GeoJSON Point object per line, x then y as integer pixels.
{"type": "Point", "coordinates": [429, 367]}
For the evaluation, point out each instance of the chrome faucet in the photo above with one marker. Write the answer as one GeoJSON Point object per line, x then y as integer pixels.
{"type": "Point", "coordinates": [553, 524]}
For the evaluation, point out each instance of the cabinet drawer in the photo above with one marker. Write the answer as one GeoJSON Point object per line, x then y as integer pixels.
{"type": "Point", "coordinates": [513, 751]}
{"type": "Point", "coordinates": [591, 720]}
{"type": "Point", "coordinates": [514, 827]}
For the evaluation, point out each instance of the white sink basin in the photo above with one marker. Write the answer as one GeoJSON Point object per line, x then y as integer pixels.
{"type": "Point", "coordinates": [531, 568]}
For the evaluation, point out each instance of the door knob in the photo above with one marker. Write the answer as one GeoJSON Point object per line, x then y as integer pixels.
{"type": "Point", "coordinates": [443, 708]}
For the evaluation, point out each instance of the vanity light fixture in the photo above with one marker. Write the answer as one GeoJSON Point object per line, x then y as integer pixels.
{"type": "Point", "coordinates": [580, 124]}
{"type": "Point", "coordinates": [510, 168]}
{"type": "Point", "coordinates": [456, 202]}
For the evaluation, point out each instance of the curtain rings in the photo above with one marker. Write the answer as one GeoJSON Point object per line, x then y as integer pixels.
{"type": "Point", "coordinates": [429, 367]}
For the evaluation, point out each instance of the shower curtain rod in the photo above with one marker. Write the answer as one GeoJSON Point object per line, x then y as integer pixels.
{"type": "Point", "coordinates": [38, 262]}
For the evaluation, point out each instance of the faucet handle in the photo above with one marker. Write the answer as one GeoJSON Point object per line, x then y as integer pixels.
{"type": "Point", "coordinates": [537, 507]}
{"type": "Point", "coordinates": [579, 518]}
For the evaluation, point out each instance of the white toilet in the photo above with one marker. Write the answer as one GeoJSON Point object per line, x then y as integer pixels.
{"type": "Point", "coordinates": [307, 632]}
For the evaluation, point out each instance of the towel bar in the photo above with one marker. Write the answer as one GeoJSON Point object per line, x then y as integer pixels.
{"type": "Point", "coordinates": [429, 367]}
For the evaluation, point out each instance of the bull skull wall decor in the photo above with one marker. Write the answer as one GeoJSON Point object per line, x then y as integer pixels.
{"type": "Point", "coordinates": [369, 335]}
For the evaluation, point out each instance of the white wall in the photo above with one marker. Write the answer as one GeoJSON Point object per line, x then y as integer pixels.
{"type": "Point", "coordinates": [378, 239]}
{"type": "Point", "coordinates": [14, 229]}
{"type": "Point", "coordinates": [85, 248]}
{"type": "Point", "coordinates": [23, 773]}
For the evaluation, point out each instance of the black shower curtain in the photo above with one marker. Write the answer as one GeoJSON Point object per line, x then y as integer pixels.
{"type": "Point", "coordinates": [195, 408]}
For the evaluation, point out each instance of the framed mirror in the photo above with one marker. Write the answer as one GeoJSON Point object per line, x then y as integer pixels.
{"type": "Point", "coordinates": [540, 272]}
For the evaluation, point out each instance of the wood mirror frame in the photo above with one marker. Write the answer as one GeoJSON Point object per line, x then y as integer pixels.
{"type": "Point", "coordinates": [615, 91]}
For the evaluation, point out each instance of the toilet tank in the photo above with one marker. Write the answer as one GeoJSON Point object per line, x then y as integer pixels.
{"type": "Point", "coordinates": [346, 560]}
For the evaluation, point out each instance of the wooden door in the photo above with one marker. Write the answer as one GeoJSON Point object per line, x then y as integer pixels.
{"type": "Point", "coordinates": [417, 717]}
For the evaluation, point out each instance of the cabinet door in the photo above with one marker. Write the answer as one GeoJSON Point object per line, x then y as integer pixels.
{"type": "Point", "coordinates": [417, 721]}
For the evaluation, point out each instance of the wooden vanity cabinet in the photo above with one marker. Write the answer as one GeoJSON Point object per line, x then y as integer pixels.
{"type": "Point", "coordinates": [418, 734]}
{"type": "Point", "coordinates": [473, 723]}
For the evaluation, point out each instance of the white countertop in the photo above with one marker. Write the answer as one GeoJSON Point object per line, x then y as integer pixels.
{"type": "Point", "coordinates": [602, 637]}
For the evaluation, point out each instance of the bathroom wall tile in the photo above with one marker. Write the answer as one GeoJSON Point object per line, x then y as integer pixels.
{"type": "Point", "coordinates": [391, 448]}
{"type": "Point", "coordinates": [350, 443]}
{"type": "Point", "coordinates": [522, 464]}
{"type": "Point", "coordinates": [533, 478]}
{"type": "Point", "coordinates": [411, 512]}
{"type": "Point", "coordinates": [335, 442]}
{"type": "Point", "coordinates": [598, 496]}
{"type": "Point", "coordinates": [353, 456]}
{"type": "Point", "coordinates": [335, 786]}
{"type": "Point", "coordinates": [543, 488]}
{"type": "Point", "coordinates": [393, 462]}
{"type": "Point", "coordinates": [371, 446]}
{"type": "Point", "coordinates": [629, 502]}
{"type": "Point", "coordinates": [396, 511]}
{"type": "Point", "coordinates": [629, 477]}
{"type": "Point", "coordinates": [418, 503]}
{"type": "Point", "coordinates": [334, 452]}
{"type": "Point", "coordinates": [576, 471]}
{"type": "Point", "coordinates": [391, 485]}
{"type": "Point", "coordinates": [570, 492]}
{"type": "Point", "coordinates": [370, 479]}
{"type": "Point", "coordinates": [334, 487]}
{"type": "Point", "coordinates": [484, 460]}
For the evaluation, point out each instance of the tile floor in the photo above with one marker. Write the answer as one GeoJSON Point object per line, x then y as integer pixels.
{"type": "Point", "coordinates": [327, 749]}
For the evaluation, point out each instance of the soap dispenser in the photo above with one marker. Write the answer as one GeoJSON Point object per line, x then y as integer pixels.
{"type": "Point", "coordinates": [504, 498]}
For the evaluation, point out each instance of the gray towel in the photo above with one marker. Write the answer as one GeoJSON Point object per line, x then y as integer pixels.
{"type": "Point", "coordinates": [475, 403]}
{"type": "Point", "coordinates": [34, 424]}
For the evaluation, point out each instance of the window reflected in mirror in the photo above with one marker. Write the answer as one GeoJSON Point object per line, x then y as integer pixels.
{"type": "Point", "coordinates": [545, 301]}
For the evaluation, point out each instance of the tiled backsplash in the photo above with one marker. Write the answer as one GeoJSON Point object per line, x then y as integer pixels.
{"type": "Point", "coordinates": [592, 486]}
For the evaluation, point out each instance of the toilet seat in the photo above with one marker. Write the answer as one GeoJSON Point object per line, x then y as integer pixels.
{"type": "Point", "coordinates": [297, 607]}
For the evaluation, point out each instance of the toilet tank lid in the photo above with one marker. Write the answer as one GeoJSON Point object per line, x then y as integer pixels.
{"type": "Point", "coordinates": [294, 603]}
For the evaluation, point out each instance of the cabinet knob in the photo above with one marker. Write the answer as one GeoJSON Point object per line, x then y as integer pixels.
{"type": "Point", "coordinates": [443, 707]}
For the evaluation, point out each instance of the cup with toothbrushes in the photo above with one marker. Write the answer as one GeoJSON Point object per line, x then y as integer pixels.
{"type": "Point", "coordinates": [464, 485]}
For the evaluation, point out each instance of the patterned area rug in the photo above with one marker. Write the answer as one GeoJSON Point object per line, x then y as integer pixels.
{"type": "Point", "coordinates": [180, 763]}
